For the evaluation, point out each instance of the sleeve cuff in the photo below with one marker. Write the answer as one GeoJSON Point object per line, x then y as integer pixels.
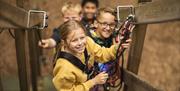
{"type": "Point", "coordinates": [89, 84]}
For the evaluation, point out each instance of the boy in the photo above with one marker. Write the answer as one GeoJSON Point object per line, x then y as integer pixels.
{"type": "Point", "coordinates": [89, 8]}
{"type": "Point", "coordinates": [69, 11]}
{"type": "Point", "coordinates": [73, 12]}
{"type": "Point", "coordinates": [103, 35]}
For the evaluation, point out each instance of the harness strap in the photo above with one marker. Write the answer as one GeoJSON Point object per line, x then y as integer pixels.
{"type": "Point", "coordinates": [76, 61]}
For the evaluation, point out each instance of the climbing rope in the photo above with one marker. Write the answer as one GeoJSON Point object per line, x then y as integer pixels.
{"type": "Point", "coordinates": [123, 34]}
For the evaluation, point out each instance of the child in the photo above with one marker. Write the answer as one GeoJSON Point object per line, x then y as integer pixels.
{"type": "Point", "coordinates": [105, 26]}
{"type": "Point", "coordinates": [103, 35]}
{"type": "Point", "coordinates": [89, 8]}
{"type": "Point", "coordinates": [72, 11]}
{"type": "Point", "coordinates": [68, 77]}
{"type": "Point", "coordinates": [69, 11]}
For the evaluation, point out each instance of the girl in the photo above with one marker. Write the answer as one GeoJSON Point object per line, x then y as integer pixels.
{"type": "Point", "coordinates": [68, 77]}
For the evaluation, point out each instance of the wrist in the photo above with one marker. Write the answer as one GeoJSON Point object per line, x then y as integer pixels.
{"type": "Point", "coordinates": [94, 81]}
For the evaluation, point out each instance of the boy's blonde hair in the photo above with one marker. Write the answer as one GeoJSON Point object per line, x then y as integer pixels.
{"type": "Point", "coordinates": [106, 10]}
{"type": "Point", "coordinates": [71, 7]}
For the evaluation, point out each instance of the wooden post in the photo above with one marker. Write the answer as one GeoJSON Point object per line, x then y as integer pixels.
{"type": "Point", "coordinates": [33, 58]}
{"type": "Point", "coordinates": [39, 52]}
{"type": "Point", "coordinates": [135, 52]}
{"type": "Point", "coordinates": [140, 1]}
{"type": "Point", "coordinates": [136, 49]}
{"type": "Point", "coordinates": [16, 17]}
{"type": "Point", "coordinates": [1, 85]}
{"type": "Point", "coordinates": [20, 52]}
{"type": "Point", "coordinates": [135, 83]}
{"type": "Point", "coordinates": [21, 59]}
{"type": "Point", "coordinates": [35, 52]}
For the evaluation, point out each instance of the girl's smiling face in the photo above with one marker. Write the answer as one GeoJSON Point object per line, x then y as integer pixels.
{"type": "Point", "coordinates": [76, 41]}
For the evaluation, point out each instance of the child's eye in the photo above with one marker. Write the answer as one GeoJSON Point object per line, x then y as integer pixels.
{"type": "Point", "coordinates": [82, 38]}
{"type": "Point", "coordinates": [74, 40]}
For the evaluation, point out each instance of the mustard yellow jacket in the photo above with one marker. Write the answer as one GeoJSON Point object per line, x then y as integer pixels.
{"type": "Point", "coordinates": [68, 77]}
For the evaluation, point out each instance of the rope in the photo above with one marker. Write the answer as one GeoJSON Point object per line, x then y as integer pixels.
{"type": "Point", "coordinates": [38, 33]}
{"type": "Point", "coordinates": [10, 32]}
{"type": "Point", "coordinates": [126, 30]}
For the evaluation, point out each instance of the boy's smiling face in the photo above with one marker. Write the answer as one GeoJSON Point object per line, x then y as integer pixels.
{"type": "Point", "coordinates": [105, 25]}
{"type": "Point", "coordinates": [71, 15]}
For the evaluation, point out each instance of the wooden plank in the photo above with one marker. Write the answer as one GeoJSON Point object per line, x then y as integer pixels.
{"type": "Point", "coordinates": [17, 16]}
{"type": "Point", "coordinates": [33, 58]}
{"type": "Point", "coordinates": [136, 51]}
{"type": "Point", "coordinates": [144, 1]}
{"type": "Point", "coordinates": [5, 24]}
{"type": "Point", "coordinates": [20, 51]}
{"type": "Point", "coordinates": [136, 48]}
{"type": "Point", "coordinates": [39, 52]}
{"type": "Point", "coordinates": [135, 83]}
{"type": "Point", "coordinates": [158, 11]}
{"type": "Point", "coordinates": [1, 85]}
{"type": "Point", "coordinates": [21, 60]}
{"type": "Point", "coordinates": [154, 12]}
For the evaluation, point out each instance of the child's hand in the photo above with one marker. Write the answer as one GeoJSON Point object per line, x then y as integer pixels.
{"type": "Point", "coordinates": [47, 43]}
{"type": "Point", "coordinates": [126, 45]}
{"type": "Point", "coordinates": [100, 78]}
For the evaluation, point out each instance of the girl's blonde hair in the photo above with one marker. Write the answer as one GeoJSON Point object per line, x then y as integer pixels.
{"type": "Point", "coordinates": [71, 7]}
{"type": "Point", "coordinates": [66, 28]}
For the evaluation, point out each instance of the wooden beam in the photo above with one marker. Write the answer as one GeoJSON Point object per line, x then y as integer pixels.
{"type": "Point", "coordinates": [20, 48]}
{"type": "Point", "coordinates": [34, 57]}
{"type": "Point", "coordinates": [135, 83]}
{"type": "Point", "coordinates": [148, 13]}
{"type": "Point", "coordinates": [154, 12]}
{"type": "Point", "coordinates": [21, 60]}
{"type": "Point", "coordinates": [136, 51]}
{"type": "Point", "coordinates": [158, 11]}
{"type": "Point", "coordinates": [1, 85]}
{"type": "Point", "coordinates": [17, 16]}
{"type": "Point", "coordinates": [39, 52]}
{"type": "Point", "coordinates": [136, 48]}
{"type": "Point", "coordinates": [5, 24]}
{"type": "Point", "coordinates": [144, 1]}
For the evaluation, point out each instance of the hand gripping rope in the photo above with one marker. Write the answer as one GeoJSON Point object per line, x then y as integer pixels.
{"type": "Point", "coordinates": [123, 33]}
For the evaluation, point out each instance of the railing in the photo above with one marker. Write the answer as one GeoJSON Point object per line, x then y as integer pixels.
{"type": "Point", "coordinates": [145, 14]}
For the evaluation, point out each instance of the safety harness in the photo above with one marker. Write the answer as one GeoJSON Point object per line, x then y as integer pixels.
{"type": "Point", "coordinates": [123, 34]}
{"type": "Point", "coordinates": [77, 62]}
{"type": "Point", "coordinates": [114, 69]}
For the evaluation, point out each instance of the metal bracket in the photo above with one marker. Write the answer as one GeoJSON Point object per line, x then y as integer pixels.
{"type": "Point", "coordinates": [130, 13]}
{"type": "Point", "coordinates": [45, 17]}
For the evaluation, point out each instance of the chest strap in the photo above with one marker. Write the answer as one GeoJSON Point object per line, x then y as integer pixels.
{"type": "Point", "coordinates": [76, 61]}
